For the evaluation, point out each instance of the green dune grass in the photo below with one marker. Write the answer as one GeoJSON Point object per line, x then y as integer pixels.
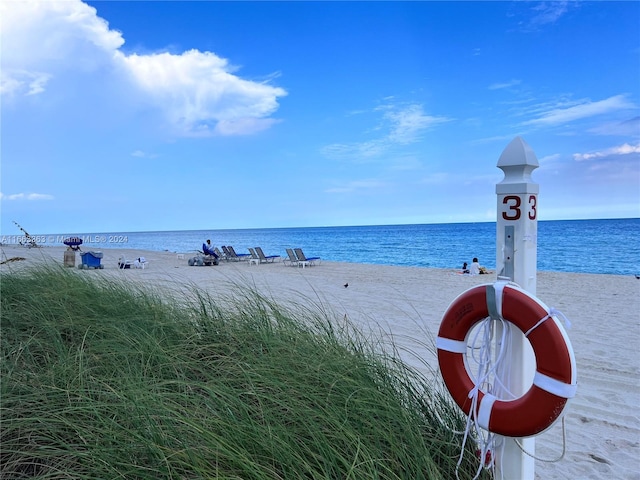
{"type": "Point", "coordinates": [104, 380]}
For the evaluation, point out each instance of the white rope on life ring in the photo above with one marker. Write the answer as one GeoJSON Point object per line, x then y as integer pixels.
{"type": "Point", "coordinates": [554, 381]}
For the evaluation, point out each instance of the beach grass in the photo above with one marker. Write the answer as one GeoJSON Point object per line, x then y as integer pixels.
{"type": "Point", "coordinates": [105, 379]}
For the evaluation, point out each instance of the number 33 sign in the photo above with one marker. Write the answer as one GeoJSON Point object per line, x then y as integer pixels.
{"type": "Point", "coordinates": [514, 207]}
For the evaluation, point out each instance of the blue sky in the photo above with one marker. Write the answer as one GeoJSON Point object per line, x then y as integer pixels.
{"type": "Point", "coordinates": [135, 116]}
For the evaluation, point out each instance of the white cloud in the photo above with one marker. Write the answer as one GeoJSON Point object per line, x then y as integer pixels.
{"type": "Point", "coordinates": [550, 159]}
{"type": "Point", "coordinates": [437, 178]}
{"type": "Point", "coordinates": [243, 126]}
{"type": "Point", "coordinates": [200, 93]}
{"type": "Point", "coordinates": [497, 138]}
{"type": "Point", "coordinates": [585, 109]}
{"type": "Point", "coordinates": [26, 196]}
{"type": "Point", "coordinates": [22, 82]}
{"type": "Point", "coordinates": [402, 125]}
{"type": "Point", "coordinates": [359, 151]}
{"type": "Point", "coordinates": [624, 149]}
{"type": "Point", "coordinates": [38, 37]}
{"type": "Point", "coordinates": [549, 12]}
{"type": "Point", "coordinates": [499, 86]}
{"type": "Point", "coordinates": [48, 33]}
{"type": "Point", "coordinates": [408, 123]}
{"type": "Point", "coordinates": [355, 185]}
{"type": "Point", "coordinates": [542, 14]}
{"type": "Point", "coordinates": [196, 92]}
{"type": "Point", "coordinates": [142, 154]}
{"type": "Point", "coordinates": [628, 127]}
{"type": "Point", "coordinates": [406, 163]}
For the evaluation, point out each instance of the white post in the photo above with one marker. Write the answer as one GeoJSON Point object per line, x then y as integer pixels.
{"type": "Point", "coordinates": [516, 258]}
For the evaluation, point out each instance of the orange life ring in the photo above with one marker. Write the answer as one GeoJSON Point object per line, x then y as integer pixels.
{"type": "Point", "coordinates": [555, 377]}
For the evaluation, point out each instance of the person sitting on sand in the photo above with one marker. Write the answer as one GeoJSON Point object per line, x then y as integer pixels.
{"type": "Point", "coordinates": [476, 268]}
{"type": "Point", "coordinates": [139, 262]}
{"type": "Point", "coordinates": [465, 268]}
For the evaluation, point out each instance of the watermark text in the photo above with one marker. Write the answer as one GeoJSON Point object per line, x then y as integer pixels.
{"type": "Point", "coordinates": [59, 239]}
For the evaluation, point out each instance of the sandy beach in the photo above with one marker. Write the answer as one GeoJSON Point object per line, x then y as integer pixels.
{"type": "Point", "coordinates": [603, 425]}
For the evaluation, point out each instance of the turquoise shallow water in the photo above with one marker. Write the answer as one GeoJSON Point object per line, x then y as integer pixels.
{"type": "Point", "coordinates": [582, 246]}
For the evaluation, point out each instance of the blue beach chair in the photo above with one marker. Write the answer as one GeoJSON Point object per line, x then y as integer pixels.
{"type": "Point", "coordinates": [303, 260]}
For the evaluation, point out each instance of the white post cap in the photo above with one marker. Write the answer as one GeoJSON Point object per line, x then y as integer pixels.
{"type": "Point", "coordinates": [517, 162]}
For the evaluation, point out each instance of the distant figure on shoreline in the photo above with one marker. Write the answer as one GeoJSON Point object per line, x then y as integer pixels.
{"type": "Point", "coordinates": [465, 268]}
{"type": "Point", "coordinates": [476, 268]}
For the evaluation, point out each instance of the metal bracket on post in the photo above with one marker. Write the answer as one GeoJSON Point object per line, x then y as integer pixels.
{"type": "Point", "coordinates": [509, 242]}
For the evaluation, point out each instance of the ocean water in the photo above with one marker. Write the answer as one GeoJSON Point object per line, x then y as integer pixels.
{"type": "Point", "coordinates": [582, 246]}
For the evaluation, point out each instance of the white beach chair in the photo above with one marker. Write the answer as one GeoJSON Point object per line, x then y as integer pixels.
{"type": "Point", "coordinates": [123, 263]}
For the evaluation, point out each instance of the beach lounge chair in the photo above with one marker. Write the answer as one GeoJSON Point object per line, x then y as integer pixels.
{"type": "Point", "coordinates": [255, 259]}
{"type": "Point", "coordinates": [227, 254]}
{"type": "Point", "coordinates": [291, 258]}
{"type": "Point", "coordinates": [220, 255]}
{"type": "Point", "coordinates": [232, 255]}
{"type": "Point", "coordinates": [303, 260]}
{"type": "Point", "coordinates": [123, 263]}
{"type": "Point", "coordinates": [240, 256]}
{"type": "Point", "coordinates": [265, 258]}
{"type": "Point", "coordinates": [139, 262]}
